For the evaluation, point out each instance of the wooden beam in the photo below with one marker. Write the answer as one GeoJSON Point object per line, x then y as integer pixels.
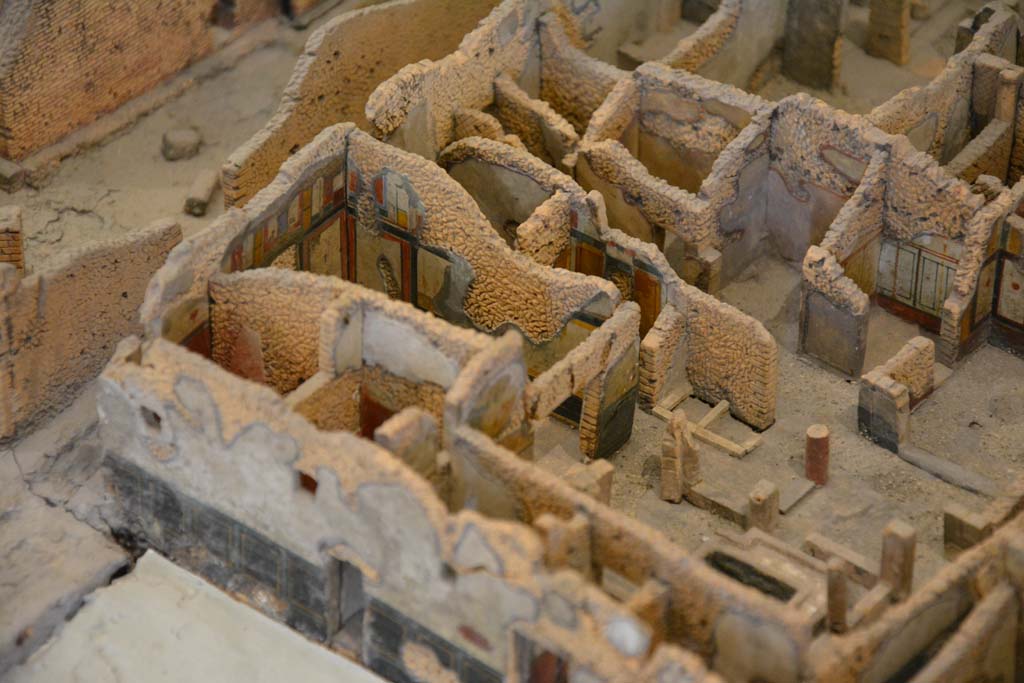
{"type": "Point", "coordinates": [720, 409]}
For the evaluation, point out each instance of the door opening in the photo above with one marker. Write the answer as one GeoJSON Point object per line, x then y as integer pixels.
{"type": "Point", "coordinates": [351, 607]}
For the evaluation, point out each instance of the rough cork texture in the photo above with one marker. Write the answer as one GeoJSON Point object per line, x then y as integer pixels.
{"type": "Point", "coordinates": [64, 64]}
{"type": "Point", "coordinates": [284, 309]}
{"type": "Point", "coordinates": [824, 274]}
{"type": "Point", "coordinates": [414, 109]}
{"type": "Point", "coordinates": [574, 83]}
{"type": "Point", "coordinates": [913, 366]}
{"type": "Point", "coordinates": [508, 287]}
{"type": "Point", "coordinates": [343, 62]}
{"type": "Point", "coordinates": [730, 355]}
{"type": "Point", "coordinates": [542, 131]}
{"type": "Point", "coordinates": [334, 405]}
{"type": "Point", "coordinates": [696, 49]}
{"type": "Point", "coordinates": [987, 153]}
{"type": "Point", "coordinates": [372, 510]}
{"type": "Point", "coordinates": [62, 322]}
{"type": "Point", "coordinates": [656, 353]}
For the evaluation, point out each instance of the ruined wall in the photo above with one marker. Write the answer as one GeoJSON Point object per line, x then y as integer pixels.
{"type": "Point", "coordinates": [603, 371]}
{"type": "Point", "coordinates": [914, 367]}
{"type": "Point", "coordinates": [541, 129]}
{"type": "Point", "coordinates": [937, 117]}
{"type": "Point", "coordinates": [952, 617]}
{"type": "Point", "coordinates": [703, 44]}
{"type": "Point", "coordinates": [685, 122]}
{"type": "Point", "coordinates": [342, 63]}
{"type": "Point", "coordinates": [889, 30]}
{"type": "Point", "coordinates": [730, 355]}
{"type": "Point", "coordinates": [574, 83]}
{"type": "Point", "coordinates": [283, 309]}
{"type": "Point", "coordinates": [833, 314]}
{"type": "Point", "coordinates": [61, 323]}
{"type": "Point", "coordinates": [64, 64]}
{"type": "Point", "coordinates": [507, 287]}
{"type": "Point", "coordinates": [819, 155]}
{"type": "Point", "coordinates": [482, 584]}
{"type": "Point", "coordinates": [675, 121]}
{"type": "Point", "coordinates": [732, 42]}
{"type": "Point", "coordinates": [11, 247]}
{"type": "Point", "coordinates": [975, 298]}
{"type": "Point", "coordinates": [414, 109]}
{"type": "Point", "coordinates": [811, 52]}
{"type": "Point", "coordinates": [706, 611]}
{"type": "Point", "coordinates": [382, 202]}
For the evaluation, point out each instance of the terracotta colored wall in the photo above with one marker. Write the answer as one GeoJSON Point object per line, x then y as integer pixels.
{"type": "Point", "coordinates": [61, 325]}
{"type": "Point", "coordinates": [66, 63]}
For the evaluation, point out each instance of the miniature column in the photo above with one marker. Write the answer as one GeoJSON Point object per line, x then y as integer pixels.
{"type": "Point", "coordinates": [897, 567]}
{"type": "Point", "coordinates": [680, 462]}
{"type": "Point", "coordinates": [764, 506]}
{"type": "Point", "coordinates": [816, 454]}
{"type": "Point", "coordinates": [837, 596]}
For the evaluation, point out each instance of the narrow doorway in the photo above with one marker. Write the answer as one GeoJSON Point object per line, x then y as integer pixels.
{"type": "Point", "coordinates": [351, 607]}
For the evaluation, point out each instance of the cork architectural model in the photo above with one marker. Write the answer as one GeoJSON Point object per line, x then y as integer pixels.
{"type": "Point", "coordinates": [538, 341]}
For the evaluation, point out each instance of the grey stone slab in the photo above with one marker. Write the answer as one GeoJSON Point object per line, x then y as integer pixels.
{"type": "Point", "coordinates": [122, 634]}
{"type": "Point", "coordinates": [792, 492]}
{"type": "Point", "coordinates": [50, 563]}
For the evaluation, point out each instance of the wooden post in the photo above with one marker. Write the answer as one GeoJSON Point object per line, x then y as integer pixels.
{"type": "Point", "coordinates": [680, 462]}
{"type": "Point", "coordinates": [816, 452]}
{"type": "Point", "coordinates": [837, 595]}
{"type": "Point", "coordinates": [764, 506]}
{"type": "Point", "coordinates": [897, 567]}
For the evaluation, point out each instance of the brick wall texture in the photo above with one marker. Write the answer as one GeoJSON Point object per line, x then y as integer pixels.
{"type": "Point", "coordinates": [65, 63]}
{"type": "Point", "coordinates": [10, 237]}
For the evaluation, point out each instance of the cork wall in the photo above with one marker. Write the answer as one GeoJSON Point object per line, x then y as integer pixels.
{"type": "Point", "coordinates": [414, 109]}
{"type": "Point", "coordinates": [937, 117]}
{"type": "Point", "coordinates": [345, 182]}
{"type": "Point", "coordinates": [61, 322]}
{"type": "Point", "coordinates": [480, 581]}
{"type": "Point", "coordinates": [729, 356]}
{"type": "Point", "coordinates": [965, 613]}
{"type": "Point", "coordinates": [342, 63]}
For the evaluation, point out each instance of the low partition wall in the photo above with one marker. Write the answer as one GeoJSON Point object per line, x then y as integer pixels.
{"type": "Point", "coordinates": [61, 324]}
{"type": "Point", "coordinates": [963, 624]}
{"type": "Point", "coordinates": [221, 475]}
{"type": "Point", "coordinates": [889, 392]}
{"type": "Point", "coordinates": [706, 611]}
{"type": "Point", "coordinates": [729, 355]}
{"type": "Point", "coordinates": [350, 206]}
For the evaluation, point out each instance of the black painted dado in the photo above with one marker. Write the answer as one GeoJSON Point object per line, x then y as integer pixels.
{"type": "Point", "coordinates": [387, 629]}
{"type": "Point", "coordinates": [615, 424]}
{"type": "Point", "coordinates": [222, 550]}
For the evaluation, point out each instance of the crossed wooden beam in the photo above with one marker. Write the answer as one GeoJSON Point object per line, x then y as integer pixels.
{"type": "Point", "coordinates": [701, 428]}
